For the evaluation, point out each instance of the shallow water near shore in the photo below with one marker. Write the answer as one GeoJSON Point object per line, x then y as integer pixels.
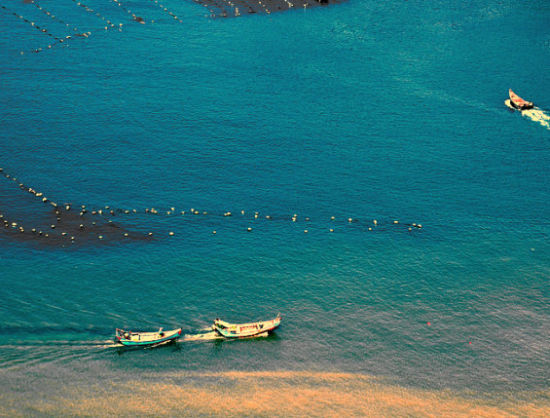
{"type": "Point", "coordinates": [360, 111]}
{"type": "Point", "coordinates": [262, 394]}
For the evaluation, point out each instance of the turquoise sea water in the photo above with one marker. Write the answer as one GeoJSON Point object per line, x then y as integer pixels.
{"type": "Point", "coordinates": [364, 110]}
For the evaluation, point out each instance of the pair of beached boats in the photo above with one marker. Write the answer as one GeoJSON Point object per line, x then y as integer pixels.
{"type": "Point", "coordinates": [222, 328]}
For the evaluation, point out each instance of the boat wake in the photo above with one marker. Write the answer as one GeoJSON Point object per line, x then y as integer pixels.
{"type": "Point", "coordinates": [536, 114]}
{"type": "Point", "coordinates": [109, 344]}
{"type": "Point", "coordinates": [58, 343]}
{"type": "Point", "coordinates": [208, 328]}
{"type": "Point", "coordinates": [213, 336]}
{"type": "Point", "coordinates": [207, 336]}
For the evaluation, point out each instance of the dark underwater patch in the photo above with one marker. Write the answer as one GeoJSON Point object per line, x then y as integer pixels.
{"type": "Point", "coordinates": [31, 216]}
{"type": "Point", "coordinates": [232, 8]}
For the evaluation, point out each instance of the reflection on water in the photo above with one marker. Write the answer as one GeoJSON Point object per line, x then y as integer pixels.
{"type": "Point", "coordinates": [279, 393]}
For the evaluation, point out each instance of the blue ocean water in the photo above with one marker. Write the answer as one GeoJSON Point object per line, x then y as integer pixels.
{"type": "Point", "coordinates": [364, 110]}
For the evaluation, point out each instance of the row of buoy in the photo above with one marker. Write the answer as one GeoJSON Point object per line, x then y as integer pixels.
{"type": "Point", "coordinates": [16, 226]}
{"type": "Point", "coordinates": [205, 4]}
{"type": "Point", "coordinates": [236, 10]}
{"type": "Point", "coordinates": [58, 40]}
{"type": "Point", "coordinates": [52, 16]}
{"type": "Point", "coordinates": [65, 229]}
{"type": "Point", "coordinates": [107, 210]}
{"type": "Point", "coordinates": [254, 6]}
{"type": "Point", "coordinates": [71, 219]}
{"type": "Point", "coordinates": [59, 233]}
{"type": "Point", "coordinates": [70, 238]}
{"type": "Point", "coordinates": [97, 14]}
{"type": "Point", "coordinates": [264, 6]}
{"type": "Point", "coordinates": [225, 7]}
{"type": "Point", "coordinates": [77, 33]}
{"type": "Point", "coordinates": [70, 235]}
{"type": "Point", "coordinates": [30, 190]}
{"type": "Point", "coordinates": [128, 11]}
{"type": "Point", "coordinates": [165, 9]}
{"type": "Point", "coordinates": [222, 12]}
{"type": "Point", "coordinates": [39, 28]}
{"type": "Point", "coordinates": [233, 7]}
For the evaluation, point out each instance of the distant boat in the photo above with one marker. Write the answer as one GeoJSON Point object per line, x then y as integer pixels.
{"type": "Point", "coordinates": [253, 329]}
{"type": "Point", "coordinates": [140, 339]}
{"type": "Point", "coordinates": [517, 102]}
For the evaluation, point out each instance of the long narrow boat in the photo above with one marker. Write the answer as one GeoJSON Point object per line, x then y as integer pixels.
{"type": "Point", "coordinates": [142, 339]}
{"type": "Point", "coordinates": [517, 102]}
{"type": "Point", "coordinates": [252, 329]}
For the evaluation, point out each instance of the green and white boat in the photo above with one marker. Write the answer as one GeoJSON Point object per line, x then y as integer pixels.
{"type": "Point", "coordinates": [143, 339]}
{"type": "Point", "coordinates": [252, 329]}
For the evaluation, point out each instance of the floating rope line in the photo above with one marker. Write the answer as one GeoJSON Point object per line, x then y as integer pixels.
{"type": "Point", "coordinates": [65, 231]}
{"type": "Point", "coordinates": [52, 16]}
{"type": "Point", "coordinates": [34, 25]}
{"type": "Point", "coordinates": [236, 10]}
{"type": "Point", "coordinates": [263, 6]}
{"type": "Point", "coordinates": [369, 223]}
{"type": "Point", "coordinates": [229, 4]}
{"type": "Point", "coordinates": [213, 4]}
{"type": "Point", "coordinates": [40, 29]}
{"type": "Point", "coordinates": [166, 10]}
{"type": "Point", "coordinates": [77, 223]}
{"type": "Point", "coordinates": [76, 33]}
{"type": "Point", "coordinates": [207, 5]}
{"type": "Point", "coordinates": [246, 4]}
{"type": "Point", "coordinates": [92, 11]}
{"type": "Point", "coordinates": [238, 7]}
{"type": "Point", "coordinates": [70, 226]}
{"type": "Point", "coordinates": [128, 11]}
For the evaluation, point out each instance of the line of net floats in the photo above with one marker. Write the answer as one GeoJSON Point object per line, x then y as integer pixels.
{"type": "Point", "coordinates": [73, 221]}
{"type": "Point", "coordinates": [228, 8]}
{"type": "Point", "coordinates": [59, 40]}
{"type": "Point", "coordinates": [216, 8]}
{"type": "Point", "coordinates": [51, 15]}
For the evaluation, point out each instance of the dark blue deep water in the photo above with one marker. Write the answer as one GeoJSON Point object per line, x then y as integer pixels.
{"type": "Point", "coordinates": [366, 110]}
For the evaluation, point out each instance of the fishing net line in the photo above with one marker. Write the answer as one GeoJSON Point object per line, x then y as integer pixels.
{"type": "Point", "coordinates": [113, 14]}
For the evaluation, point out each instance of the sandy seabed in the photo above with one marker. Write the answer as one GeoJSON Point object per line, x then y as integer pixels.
{"type": "Point", "coordinates": [266, 393]}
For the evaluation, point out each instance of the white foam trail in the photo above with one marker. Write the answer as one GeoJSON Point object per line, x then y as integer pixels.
{"type": "Point", "coordinates": [211, 336]}
{"type": "Point", "coordinates": [208, 336]}
{"type": "Point", "coordinates": [537, 115]}
{"type": "Point", "coordinates": [208, 328]}
{"type": "Point", "coordinates": [432, 94]}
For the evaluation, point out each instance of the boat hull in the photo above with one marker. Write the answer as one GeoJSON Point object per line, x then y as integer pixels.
{"type": "Point", "coordinates": [508, 103]}
{"type": "Point", "coordinates": [146, 339]}
{"type": "Point", "coordinates": [517, 102]}
{"type": "Point", "coordinates": [249, 330]}
{"type": "Point", "coordinates": [511, 106]}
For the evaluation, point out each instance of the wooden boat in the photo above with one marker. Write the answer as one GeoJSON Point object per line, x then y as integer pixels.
{"type": "Point", "coordinates": [253, 329]}
{"type": "Point", "coordinates": [141, 339]}
{"type": "Point", "coordinates": [517, 102]}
